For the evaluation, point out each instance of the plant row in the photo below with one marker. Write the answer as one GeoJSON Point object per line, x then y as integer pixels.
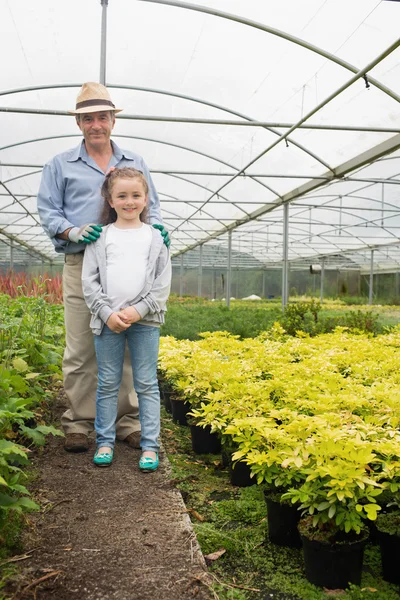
{"type": "Point", "coordinates": [15, 284]}
{"type": "Point", "coordinates": [31, 343]}
{"type": "Point", "coordinates": [316, 419]}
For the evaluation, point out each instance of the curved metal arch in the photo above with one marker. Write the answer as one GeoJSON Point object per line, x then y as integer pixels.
{"type": "Point", "coordinates": [278, 33]}
{"type": "Point", "coordinates": [362, 221]}
{"type": "Point", "coordinates": [274, 247]}
{"type": "Point", "coordinates": [323, 234]}
{"type": "Point", "coordinates": [174, 95]}
{"type": "Point", "coordinates": [351, 194]}
{"type": "Point", "coordinates": [132, 137]}
{"type": "Point", "coordinates": [145, 139]}
{"type": "Point", "coordinates": [337, 208]}
{"type": "Point", "coordinates": [168, 175]}
{"type": "Point", "coordinates": [189, 204]}
{"type": "Point", "coordinates": [204, 187]}
{"type": "Point", "coordinates": [182, 178]}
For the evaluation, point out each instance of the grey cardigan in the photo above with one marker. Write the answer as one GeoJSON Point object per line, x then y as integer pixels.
{"type": "Point", "coordinates": [150, 303]}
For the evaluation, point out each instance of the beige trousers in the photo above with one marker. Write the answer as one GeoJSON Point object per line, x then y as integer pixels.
{"type": "Point", "coordinates": [80, 367]}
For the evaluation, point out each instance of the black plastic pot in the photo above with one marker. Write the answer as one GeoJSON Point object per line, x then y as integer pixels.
{"type": "Point", "coordinates": [333, 566]}
{"type": "Point", "coordinates": [226, 458]}
{"type": "Point", "coordinates": [179, 411]}
{"type": "Point", "coordinates": [390, 551]}
{"type": "Point", "coordinates": [282, 523]}
{"type": "Point", "coordinates": [203, 441]}
{"type": "Point", "coordinates": [166, 398]}
{"type": "Point", "coordinates": [239, 474]}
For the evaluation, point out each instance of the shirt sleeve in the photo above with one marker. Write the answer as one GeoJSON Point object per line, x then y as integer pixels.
{"type": "Point", "coordinates": [50, 203]}
{"type": "Point", "coordinates": [154, 213]}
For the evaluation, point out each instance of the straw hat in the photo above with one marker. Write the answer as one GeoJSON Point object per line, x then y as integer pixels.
{"type": "Point", "coordinates": [93, 97]}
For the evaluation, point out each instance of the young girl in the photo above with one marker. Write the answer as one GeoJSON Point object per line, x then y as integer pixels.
{"type": "Point", "coordinates": [126, 280]}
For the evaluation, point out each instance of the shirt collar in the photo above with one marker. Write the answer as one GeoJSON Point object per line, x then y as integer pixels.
{"type": "Point", "coordinates": [120, 154]}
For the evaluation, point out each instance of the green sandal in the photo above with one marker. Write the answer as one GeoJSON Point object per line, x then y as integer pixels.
{"type": "Point", "coordinates": [147, 464]}
{"type": "Point", "coordinates": [103, 459]}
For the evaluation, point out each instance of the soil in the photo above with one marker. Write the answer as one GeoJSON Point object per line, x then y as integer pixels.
{"type": "Point", "coordinates": [106, 533]}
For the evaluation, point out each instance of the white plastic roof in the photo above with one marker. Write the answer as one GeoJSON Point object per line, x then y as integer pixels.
{"type": "Point", "coordinates": [238, 107]}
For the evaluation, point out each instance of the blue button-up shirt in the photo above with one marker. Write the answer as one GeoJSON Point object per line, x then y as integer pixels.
{"type": "Point", "coordinates": [69, 193]}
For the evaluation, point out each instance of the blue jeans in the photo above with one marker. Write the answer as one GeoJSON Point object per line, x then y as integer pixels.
{"type": "Point", "coordinates": [143, 343]}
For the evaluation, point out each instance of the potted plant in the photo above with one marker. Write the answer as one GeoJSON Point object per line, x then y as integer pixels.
{"type": "Point", "coordinates": [274, 456]}
{"type": "Point", "coordinates": [335, 499]}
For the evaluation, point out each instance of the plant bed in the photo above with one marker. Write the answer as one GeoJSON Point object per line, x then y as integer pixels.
{"type": "Point", "coordinates": [235, 519]}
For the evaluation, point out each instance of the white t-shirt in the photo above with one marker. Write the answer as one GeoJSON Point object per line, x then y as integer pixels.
{"type": "Point", "coordinates": [127, 254]}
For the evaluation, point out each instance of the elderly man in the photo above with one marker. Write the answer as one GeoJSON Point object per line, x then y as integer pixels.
{"type": "Point", "coordinates": [69, 205]}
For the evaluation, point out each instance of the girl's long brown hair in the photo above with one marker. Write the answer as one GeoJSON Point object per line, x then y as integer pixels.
{"type": "Point", "coordinates": [108, 214]}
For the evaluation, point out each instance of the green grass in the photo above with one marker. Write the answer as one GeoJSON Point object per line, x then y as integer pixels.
{"type": "Point", "coordinates": [185, 321]}
{"type": "Point", "coordinates": [235, 519]}
{"type": "Point", "coordinates": [186, 317]}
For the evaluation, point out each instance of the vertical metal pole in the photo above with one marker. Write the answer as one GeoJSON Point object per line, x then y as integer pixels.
{"type": "Point", "coordinates": [200, 274]}
{"type": "Point", "coordinates": [214, 284]}
{"type": "Point", "coordinates": [285, 263]}
{"type": "Point", "coordinates": [321, 294]}
{"type": "Point", "coordinates": [228, 271]}
{"type": "Point", "coordinates": [11, 255]}
{"type": "Point", "coordinates": [263, 283]}
{"type": "Point", "coordinates": [396, 284]}
{"type": "Point", "coordinates": [181, 278]}
{"type": "Point", "coordinates": [371, 278]}
{"type": "Point", "coordinates": [103, 46]}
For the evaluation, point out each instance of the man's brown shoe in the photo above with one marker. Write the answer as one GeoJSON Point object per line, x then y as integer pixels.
{"type": "Point", "coordinates": [133, 439]}
{"type": "Point", "coordinates": [76, 442]}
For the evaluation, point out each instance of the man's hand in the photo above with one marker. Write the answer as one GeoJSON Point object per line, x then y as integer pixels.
{"type": "Point", "coordinates": [164, 233]}
{"type": "Point", "coordinates": [86, 234]}
{"type": "Point", "coordinates": [115, 322]}
{"type": "Point", "coordinates": [130, 315]}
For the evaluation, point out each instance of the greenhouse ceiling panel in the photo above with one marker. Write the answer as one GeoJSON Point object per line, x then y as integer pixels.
{"type": "Point", "coordinates": [240, 109]}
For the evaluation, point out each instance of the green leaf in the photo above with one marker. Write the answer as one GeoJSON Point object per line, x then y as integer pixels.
{"type": "Point", "coordinates": [31, 375]}
{"type": "Point", "coordinates": [36, 436]}
{"type": "Point", "coordinates": [332, 511]}
{"type": "Point", "coordinates": [20, 365]}
{"type": "Point", "coordinates": [27, 504]}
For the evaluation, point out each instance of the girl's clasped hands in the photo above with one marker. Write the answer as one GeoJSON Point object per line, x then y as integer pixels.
{"type": "Point", "coordinates": [122, 320]}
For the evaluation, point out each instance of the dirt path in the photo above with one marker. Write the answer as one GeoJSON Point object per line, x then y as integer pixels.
{"type": "Point", "coordinates": [108, 533]}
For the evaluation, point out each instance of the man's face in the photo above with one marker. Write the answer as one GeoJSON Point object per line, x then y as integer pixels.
{"type": "Point", "coordinates": [97, 127]}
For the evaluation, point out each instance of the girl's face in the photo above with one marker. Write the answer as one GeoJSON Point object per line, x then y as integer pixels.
{"type": "Point", "coordinates": [128, 198]}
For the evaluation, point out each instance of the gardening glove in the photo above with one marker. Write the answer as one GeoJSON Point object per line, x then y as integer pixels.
{"type": "Point", "coordinates": [86, 234]}
{"type": "Point", "coordinates": [164, 233]}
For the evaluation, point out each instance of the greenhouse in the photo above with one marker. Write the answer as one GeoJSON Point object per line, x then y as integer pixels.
{"type": "Point", "coordinates": [271, 132]}
{"type": "Point", "coordinates": [280, 167]}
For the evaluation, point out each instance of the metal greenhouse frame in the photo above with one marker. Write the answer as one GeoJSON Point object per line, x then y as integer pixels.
{"type": "Point", "coordinates": [272, 131]}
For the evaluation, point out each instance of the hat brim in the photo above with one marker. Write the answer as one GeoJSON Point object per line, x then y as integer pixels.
{"type": "Point", "coordinates": [97, 108]}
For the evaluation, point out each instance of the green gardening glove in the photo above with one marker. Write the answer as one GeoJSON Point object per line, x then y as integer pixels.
{"type": "Point", "coordinates": [164, 233]}
{"type": "Point", "coordinates": [86, 234]}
